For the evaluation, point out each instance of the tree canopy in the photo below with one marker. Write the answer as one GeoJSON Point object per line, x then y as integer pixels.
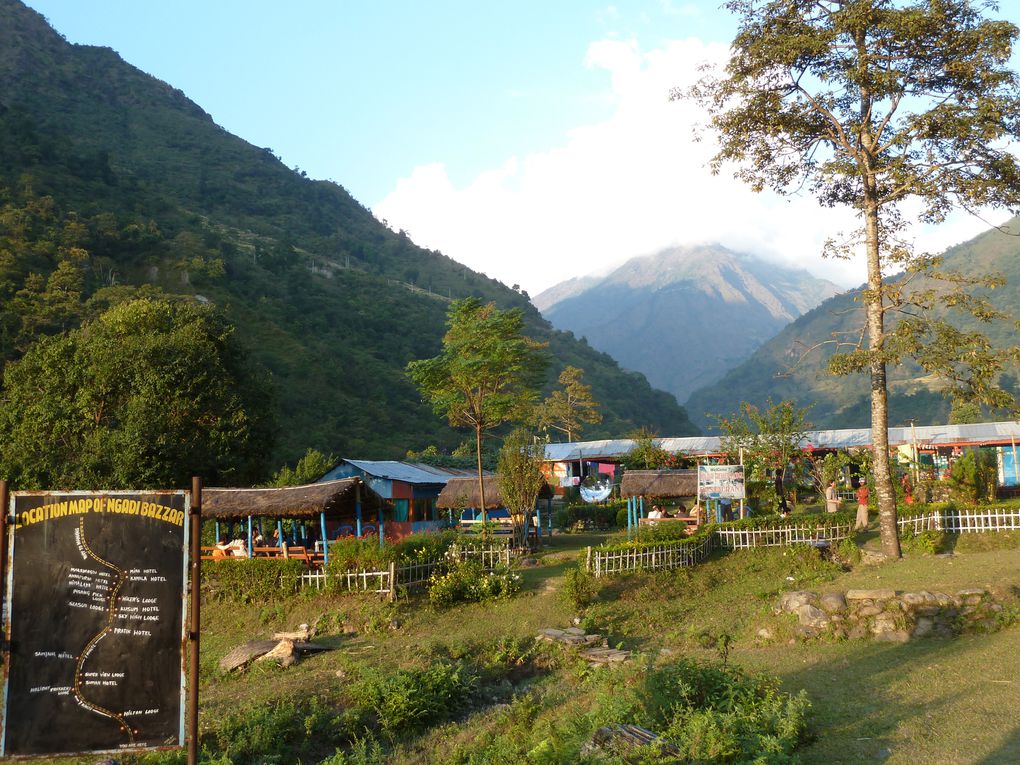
{"type": "Point", "coordinates": [520, 478]}
{"type": "Point", "coordinates": [568, 408]}
{"type": "Point", "coordinates": [488, 372]}
{"type": "Point", "coordinates": [896, 109]}
{"type": "Point", "coordinates": [146, 395]}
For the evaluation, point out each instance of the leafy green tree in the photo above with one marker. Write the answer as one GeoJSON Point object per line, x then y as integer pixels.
{"type": "Point", "coordinates": [646, 454]}
{"type": "Point", "coordinates": [520, 478]}
{"type": "Point", "coordinates": [488, 372]}
{"type": "Point", "coordinates": [874, 104]}
{"type": "Point", "coordinates": [769, 440]}
{"type": "Point", "coordinates": [569, 408]}
{"type": "Point", "coordinates": [145, 396]}
{"type": "Point", "coordinates": [309, 469]}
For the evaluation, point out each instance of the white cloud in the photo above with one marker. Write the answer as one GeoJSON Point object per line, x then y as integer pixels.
{"type": "Point", "coordinates": [631, 185]}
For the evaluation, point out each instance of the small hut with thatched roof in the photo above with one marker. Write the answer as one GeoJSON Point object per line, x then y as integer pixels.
{"type": "Point", "coordinates": [461, 495]}
{"type": "Point", "coordinates": [659, 484]}
{"type": "Point", "coordinates": [338, 508]}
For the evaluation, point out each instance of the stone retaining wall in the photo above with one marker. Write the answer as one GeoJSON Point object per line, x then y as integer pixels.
{"type": "Point", "coordinates": [890, 615]}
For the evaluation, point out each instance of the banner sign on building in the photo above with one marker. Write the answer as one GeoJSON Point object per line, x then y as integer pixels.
{"type": "Point", "coordinates": [721, 481]}
{"type": "Point", "coordinates": [96, 597]}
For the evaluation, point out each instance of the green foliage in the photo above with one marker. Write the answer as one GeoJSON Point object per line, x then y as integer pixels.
{"type": "Point", "coordinates": [413, 699]}
{"type": "Point", "coordinates": [468, 582]}
{"type": "Point", "coordinates": [568, 409]}
{"type": "Point", "coordinates": [520, 478]}
{"type": "Point", "coordinates": [603, 516]}
{"type": "Point", "coordinates": [488, 372]}
{"type": "Point", "coordinates": [309, 469]}
{"type": "Point", "coordinates": [647, 454]}
{"type": "Point", "coordinates": [579, 588]}
{"type": "Point", "coordinates": [973, 476]}
{"type": "Point", "coordinates": [769, 439]}
{"type": "Point", "coordinates": [254, 580]}
{"type": "Point", "coordinates": [281, 731]}
{"type": "Point", "coordinates": [930, 541]}
{"type": "Point", "coordinates": [148, 394]}
{"type": "Point", "coordinates": [849, 552]}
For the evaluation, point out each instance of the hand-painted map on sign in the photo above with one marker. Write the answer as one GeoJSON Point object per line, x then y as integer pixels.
{"type": "Point", "coordinates": [96, 594]}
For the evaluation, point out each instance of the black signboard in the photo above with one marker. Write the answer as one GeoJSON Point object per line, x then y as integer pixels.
{"type": "Point", "coordinates": [96, 593]}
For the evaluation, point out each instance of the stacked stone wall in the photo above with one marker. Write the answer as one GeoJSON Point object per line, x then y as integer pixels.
{"type": "Point", "coordinates": [889, 615]}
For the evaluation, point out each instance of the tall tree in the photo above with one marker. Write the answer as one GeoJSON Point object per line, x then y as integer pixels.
{"type": "Point", "coordinates": [568, 409]}
{"type": "Point", "coordinates": [520, 479]}
{"type": "Point", "coordinates": [487, 374]}
{"type": "Point", "coordinates": [147, 395]}
{"type": "Point", "coordinates": [769, 439]}
{"type": "Point", "coordinates": [874, 104]}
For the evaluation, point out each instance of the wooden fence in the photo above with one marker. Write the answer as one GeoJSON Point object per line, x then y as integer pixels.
{"type": "Point", "coordinates": [963, 521]}
{"type": "Point", "coordinates": [664, 557]}
{"type": "Point", "coordinates": [685, 554]}
{"type": "Point", "coordinates": [809, 533]}
{"type": "Point", "coordinates": [411, 577]}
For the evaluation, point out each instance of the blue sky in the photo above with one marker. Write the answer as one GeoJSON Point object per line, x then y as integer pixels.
{"type": "Point", "coordinates": [533, 141]}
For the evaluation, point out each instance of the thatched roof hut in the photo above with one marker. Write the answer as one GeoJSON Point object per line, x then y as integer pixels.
{"type": "Point", "coordinates": [460, 493]}
{"type": "Point", "coordinates": [331, 497]}
{"type": "Point", "coordinates": [659, 483]}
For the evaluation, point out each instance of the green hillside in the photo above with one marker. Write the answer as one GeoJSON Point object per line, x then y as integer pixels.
{"type": "Point", "coordinates": [97, 155]}
{"type": "Point", "coordinates": [784, 368]}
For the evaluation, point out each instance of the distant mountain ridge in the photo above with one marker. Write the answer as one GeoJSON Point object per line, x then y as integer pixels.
{"type": "Point", "coordinates": [783, 369]}
{"type": "Point", "coordinates": [331, 301]}
{"type": "Point", "coordinates": [686, 315]}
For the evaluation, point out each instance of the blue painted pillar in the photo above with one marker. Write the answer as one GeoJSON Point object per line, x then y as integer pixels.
{"type": "Point", "coordinates": [718, 510]}
{"type": "Point", "coordinates": [382, 532]}
{"type": "Point", "coordinates": [641, 504]}
{"type": "Point", "coordinates": [262, 530]}
{"type": "Point", "coordinates": [249, 537]}
{"type": "Point", "coordinates": [217, 532]}
{"type": "Point", "coordinates": [548, 512]}
{"type": "Point", "coordinates": [279, 531]}
{"type": "Point", "coordinates": [538, 519]}
{"type": "Point", "coordinates": [357, 519]}
{"type": "Point", "coordinates": [304, 532]}
{"type": "Point", "coordinates": [630, 515]}
{"type": "Point", "coordinates": [325, 541]}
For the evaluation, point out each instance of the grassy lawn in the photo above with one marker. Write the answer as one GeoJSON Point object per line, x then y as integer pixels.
{"type": "Point", "coordinates": [928, 701]}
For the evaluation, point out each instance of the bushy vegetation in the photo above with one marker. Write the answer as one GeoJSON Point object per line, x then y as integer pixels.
{"type": "Point", "coordinates": [579, 516]}
{"type": "Point", "coordinates": [252, 580]}
{"type": "Point", "coordinates": [467, 581]}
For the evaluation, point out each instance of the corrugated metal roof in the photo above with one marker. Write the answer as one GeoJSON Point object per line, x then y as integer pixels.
{"type": "Point", "coordinates": [978, 433]}
{"type": "Point", "coordinates": [409, 472]}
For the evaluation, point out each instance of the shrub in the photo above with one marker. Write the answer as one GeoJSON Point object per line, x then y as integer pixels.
{"type": "Point", "coordinates": [849, 552]}
{"type": "Point", "coordinates": [930, 541]}
{"type": "Point", "coordinates": [253, 581]}
{"type": "Point", "coordinates": [972, 476]}
{"type": "Point", "coordinates": [468, 581]}
{"type": "Point", "coordinates": [579, 588]}
{"type": "Point", "coordinates": [413, 699]}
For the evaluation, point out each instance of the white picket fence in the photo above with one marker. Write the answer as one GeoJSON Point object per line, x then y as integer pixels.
{"type": "Point", "coordinates": [684, 554]}
{"type": "Point", "coordinates": [411, 577]}
{"type": "Point", "coordinates": [964, 521]}
{"type": "Point", "coordinates": [811, 534]}
{"type": "Point", "coordinates": [662, 557]}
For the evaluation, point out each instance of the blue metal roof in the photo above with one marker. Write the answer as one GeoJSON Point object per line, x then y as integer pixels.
{"type": "Point", "coordinates": [408, 472]}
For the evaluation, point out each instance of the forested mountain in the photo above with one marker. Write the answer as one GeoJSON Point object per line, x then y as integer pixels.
{"type": "Point", "coordinates": [793, 365]}
{"type": "Point", "coordinates": [686, 315]}
{"type": "Point", "coordinates": [112, 179]}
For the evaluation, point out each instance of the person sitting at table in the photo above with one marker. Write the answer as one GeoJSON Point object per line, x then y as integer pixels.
{"type": "Point", "coordinates": [256, 538]}
{"type": "Point", "coordinates": [656, 513]}
{"type": "Point", "coordinates": [681, 509]}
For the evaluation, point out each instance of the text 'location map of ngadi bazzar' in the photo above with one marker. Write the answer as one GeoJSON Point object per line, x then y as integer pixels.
{"type": "Point", "coordinates": [95, 622]}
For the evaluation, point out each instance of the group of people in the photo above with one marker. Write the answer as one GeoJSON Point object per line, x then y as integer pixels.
{"type": "Point", "coordinates": [238, 547]}
{"type": "Point", "coordinates": [832, 503]}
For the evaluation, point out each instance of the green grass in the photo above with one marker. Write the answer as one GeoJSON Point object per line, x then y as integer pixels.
{"type": "Point", "coordinates": [930, 701]}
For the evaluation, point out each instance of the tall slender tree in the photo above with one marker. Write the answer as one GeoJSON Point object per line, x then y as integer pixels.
{"type": "Point", "coordinates": [877, 104]}
{"type": "Point", "coordinates": [488, 372]}
{"type": "Point", "coordinates": [570, 407]}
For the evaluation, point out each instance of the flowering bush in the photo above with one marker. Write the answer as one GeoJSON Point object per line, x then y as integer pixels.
{"type": "Point", "coordinates": [468, 582]}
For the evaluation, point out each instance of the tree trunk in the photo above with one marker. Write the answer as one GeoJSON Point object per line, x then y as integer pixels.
{"type": "Point", "coordinates": [481, 479]}
{"type": "Point", "coordinates": [879, 389]}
